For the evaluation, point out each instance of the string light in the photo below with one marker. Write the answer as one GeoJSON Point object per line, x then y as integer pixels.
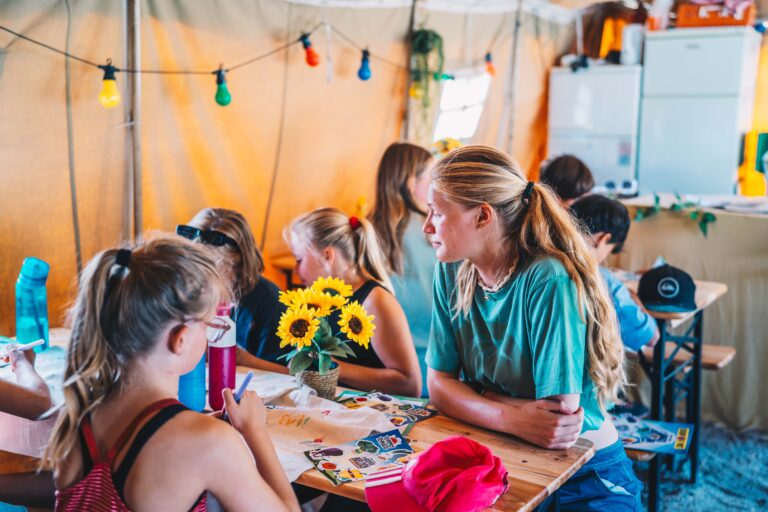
{"type": "Point", "coordinates": [489, 67]}
{"type": "Point", "coordinates": [109, 97]}
{"type": "Point", "coordinates": [223, 97]}
{"type": "Point", "coordinates": [312, 57]}
{"type": "Point", "coordinates": [364, 73]}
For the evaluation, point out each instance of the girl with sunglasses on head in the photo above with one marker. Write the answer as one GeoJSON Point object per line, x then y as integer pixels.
{"type": "Point", "coordinates": [122, 441]}
{"type": "Point", "coordinates": [258, 310]}
{"type": "Point", "coordinates": [327, 243]}
{"type": "Point", "coordinates": [399, 213]}
{"type": "Point", "coordinates": [524, 336]}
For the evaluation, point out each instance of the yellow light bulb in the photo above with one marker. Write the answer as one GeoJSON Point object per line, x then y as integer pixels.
{"type": "Point", "coordinates": [109, 97]}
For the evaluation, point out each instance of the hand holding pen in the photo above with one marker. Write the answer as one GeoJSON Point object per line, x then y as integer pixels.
{"type": "Point", "coordinates": [248, 412]}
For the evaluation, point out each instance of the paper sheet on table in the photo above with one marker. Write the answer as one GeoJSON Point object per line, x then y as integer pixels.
{"type": "Point", "coordinates": [300, 421]}
{"type": "Point", "coordinates": [19, 435]}
{"type": "Point", "coordinates": [267, 385]}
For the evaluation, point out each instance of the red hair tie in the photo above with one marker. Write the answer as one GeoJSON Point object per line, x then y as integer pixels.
{"type": "Point", "coordinates": [354, 222]}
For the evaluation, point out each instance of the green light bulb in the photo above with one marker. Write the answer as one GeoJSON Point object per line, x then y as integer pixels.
{"type": "Point", "coordinates": [223, 97]}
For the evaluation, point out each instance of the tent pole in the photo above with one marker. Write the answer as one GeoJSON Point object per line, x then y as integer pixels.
{"type": "Point", "coordinates": [133, 207]}
{"type": "Point", "coordinates": [513, 78]}
{"type": "Point", "coordinates": [407, 110]}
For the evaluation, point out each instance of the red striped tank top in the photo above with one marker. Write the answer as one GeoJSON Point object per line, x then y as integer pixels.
{"type": "Point", "coordinates": [101, 489]}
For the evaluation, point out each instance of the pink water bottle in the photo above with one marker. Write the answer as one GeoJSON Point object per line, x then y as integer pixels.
{"type": "Point", "coordinates": [222, 355]}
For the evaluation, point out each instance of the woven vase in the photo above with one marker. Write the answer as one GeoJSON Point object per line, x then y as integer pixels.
{"type": "Point", "coordinates": [325, 385]}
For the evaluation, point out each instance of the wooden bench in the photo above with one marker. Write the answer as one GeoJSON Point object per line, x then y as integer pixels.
{"type": "Point", "coordinates": [713, 357]}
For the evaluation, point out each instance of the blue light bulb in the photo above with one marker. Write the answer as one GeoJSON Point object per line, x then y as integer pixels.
{"type": "Point", "coordinates": [364, 73]}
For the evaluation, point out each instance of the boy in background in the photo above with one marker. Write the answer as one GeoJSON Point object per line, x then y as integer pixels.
{"type": "Point", "coordinates": [608, 223]}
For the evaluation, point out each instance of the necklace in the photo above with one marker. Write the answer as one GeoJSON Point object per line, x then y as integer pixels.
{"type": "Point", "coordinates": [495, 287]}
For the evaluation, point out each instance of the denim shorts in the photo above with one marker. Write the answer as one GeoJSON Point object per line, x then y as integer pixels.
{"type": "Point", "coordinates": [606, 482]}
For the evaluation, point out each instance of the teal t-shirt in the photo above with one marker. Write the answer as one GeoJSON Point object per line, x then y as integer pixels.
{"type": "Point", "coordinates": [526, 340]}
{"type": "Point", "coordinates": [413, 288]}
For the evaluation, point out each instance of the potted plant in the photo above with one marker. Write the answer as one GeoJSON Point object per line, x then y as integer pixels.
{"type": "Point", "coordinates": [307, 326]}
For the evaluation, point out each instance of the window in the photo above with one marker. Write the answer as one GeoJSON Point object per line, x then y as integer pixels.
{"type": "Point", "coordinates": [461, 105]}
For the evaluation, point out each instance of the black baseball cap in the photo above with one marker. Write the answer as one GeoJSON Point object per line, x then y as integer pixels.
{"type": "Point", "coordinates": [667, 289]}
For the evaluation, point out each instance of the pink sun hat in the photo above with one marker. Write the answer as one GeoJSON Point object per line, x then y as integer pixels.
{"type": "Point", "coordinates": [453, 475]}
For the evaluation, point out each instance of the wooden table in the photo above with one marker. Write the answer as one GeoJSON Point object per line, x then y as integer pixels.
{"type": "Point", "coordinates": [673, 377]}
{"type": "Point", "coordinates": [534, 473]}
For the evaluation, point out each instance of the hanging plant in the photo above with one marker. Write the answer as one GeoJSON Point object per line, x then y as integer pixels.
{"type": "Point", "coordinates": [426, 64]}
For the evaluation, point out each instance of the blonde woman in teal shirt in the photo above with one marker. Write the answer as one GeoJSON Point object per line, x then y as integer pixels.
{"type": "Point", "coordinates": [524, 337]}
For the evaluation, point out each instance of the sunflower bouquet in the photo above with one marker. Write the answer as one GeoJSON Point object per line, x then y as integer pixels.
{"type": "Point", "coordinates": [306, 325]}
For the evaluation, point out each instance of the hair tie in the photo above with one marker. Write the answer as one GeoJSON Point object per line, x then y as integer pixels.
{"type": "Point", "coordinates": [354, 223]}
{"type": "Point", "coordinates": [123, 258]}
{"type": "Point", "coordinates": [527, 191]}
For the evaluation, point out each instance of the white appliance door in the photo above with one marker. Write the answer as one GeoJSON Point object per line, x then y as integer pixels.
{"type": "Point", "coordinates": [601, 101]}
{"type": "Point", "coordinates": [609, 158]}
{"type": "Point", "coordinates": [689, 145]}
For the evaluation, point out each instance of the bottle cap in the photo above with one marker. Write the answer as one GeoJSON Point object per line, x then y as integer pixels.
{"type": "Point", "coordinates": [224, 309]}
{"type": "Point", "coordinates": [35, 269]}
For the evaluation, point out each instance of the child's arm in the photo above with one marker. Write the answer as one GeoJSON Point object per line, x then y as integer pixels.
{"type": "Point", "coordinates": [546, 423]}
{"type": "Point", "coordinates": [249, 417]}
{"type": "Point", "coordinates": [393, 345]}
{"type": "Point", "coordinates": [245, 358]}
{"type": "Point", "coordinates": [30, 397]}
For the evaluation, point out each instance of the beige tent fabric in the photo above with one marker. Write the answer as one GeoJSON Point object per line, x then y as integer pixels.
{"type": "Point", "coordinates": [735, 253]}
{"type": "Point", "coordinates": [36, 209]}
{"type": "Point", "coordinates": [196, 153]}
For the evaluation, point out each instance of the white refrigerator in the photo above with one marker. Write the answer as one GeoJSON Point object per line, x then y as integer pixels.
{"type": "Point", "coordinates": [697, 104]}
{"type": "Point", "coordinates": [593, 115]}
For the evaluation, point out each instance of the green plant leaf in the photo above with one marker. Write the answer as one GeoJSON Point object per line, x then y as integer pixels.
{"type": "Point", "coordinates": [639, 214]}
{"type": "Point", "coordinates": [324, 363]}
{"type": "Point", "coordinates": [675, 207]}
{"type": "Point", "coordinates": [300, 362]}
{"type": "Point", "coordinates": [336, 351]}
{"type": "Point", "coordinates": [694, 214]}
{"type": "Point", "coordinates": [346, 348]}
{"type": "Point", "coordinates": [324, 330]}
{"type": "Point", "coordinates": [706, 219]}
{"type": "Point", "coordinates": [328, 343]}
{"type": "Point", "coordinates": [656, 200]}
{"type": "Point", "coordinates": [289, 355]}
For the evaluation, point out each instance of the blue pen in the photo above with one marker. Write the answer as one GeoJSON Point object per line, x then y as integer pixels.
{"type": "Point", "coordinates": [240, 391]}
{"type": "Point", "coordinates": [243, 387]}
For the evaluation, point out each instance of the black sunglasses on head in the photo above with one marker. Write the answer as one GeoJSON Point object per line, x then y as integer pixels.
{"type": "Point", "coordinates": [206, 236]}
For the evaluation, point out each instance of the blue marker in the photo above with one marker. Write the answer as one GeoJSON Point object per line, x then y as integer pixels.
{"type": "Point", "coordinates": [240, 391]}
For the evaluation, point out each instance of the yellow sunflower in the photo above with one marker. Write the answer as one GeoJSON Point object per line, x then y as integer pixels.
{"type": "Point", "coordinates": [290, 297]}
{"type": "Point", "coordinates": [321, 302]}
{"type": "Point", "coordinates": [357, 324]}
{"type": "Point", "coordinates": [297, 327]}
{"type": "Point", "coordinates": [332, 286]}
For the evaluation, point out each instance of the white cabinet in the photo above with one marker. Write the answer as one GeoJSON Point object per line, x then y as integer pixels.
{"type": "Point", "coordinates": [593, 115]}
{"type": "Point", "coordinates": [697, 103]}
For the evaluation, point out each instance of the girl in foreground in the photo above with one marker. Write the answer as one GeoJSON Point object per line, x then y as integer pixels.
{"type": "Point", "coordinates": [522, 314]}
{"type": "Point", "coordinates": [122, 441]}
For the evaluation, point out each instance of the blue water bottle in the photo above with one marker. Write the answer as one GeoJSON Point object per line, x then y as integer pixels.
{"type": "Point", "coordinates": [31, 303]}
{"type": "Point", "coordinates": [192, 387]}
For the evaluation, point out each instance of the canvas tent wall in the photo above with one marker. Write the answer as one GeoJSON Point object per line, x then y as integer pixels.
{"type": "Point", "coordinates": [196, 153]}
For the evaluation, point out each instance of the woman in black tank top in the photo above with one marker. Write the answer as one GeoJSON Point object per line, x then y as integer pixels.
{"type": "Point", "coordinates": [327, 243]}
